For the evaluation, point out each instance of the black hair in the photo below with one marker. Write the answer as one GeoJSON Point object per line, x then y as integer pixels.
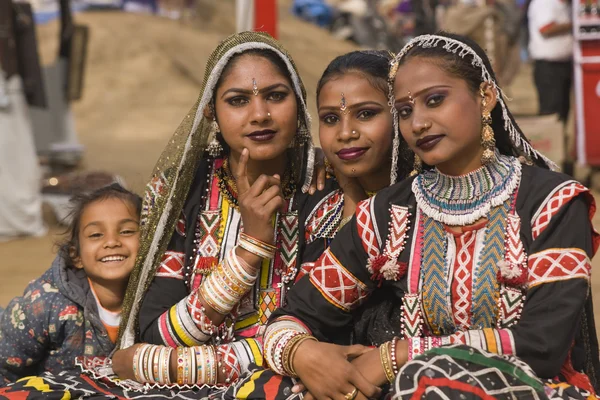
{"type": "Point", "coordinates": [462, 67]}
{"type": "Point", "coordinates": [374, 65]}
{"type": "Point", "coordinates": [69, 249]}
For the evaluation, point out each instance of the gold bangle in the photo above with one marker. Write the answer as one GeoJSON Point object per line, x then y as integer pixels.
{"type": "Point", "coordinates": [293, 350]}
{"type": "Point", "coordinates": [384, 355]}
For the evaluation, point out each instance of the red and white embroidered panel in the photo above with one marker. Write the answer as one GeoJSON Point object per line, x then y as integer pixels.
{"type": "Point", "coordinates": [515, 253]}
{"type": "Point", "coordinates": [171, 265]}
{"type": "Point", "coordinates": [337, 285]}
{"type": "Point", "coordinates": [209, 223]}
{"type": "Point", "coordinates": [366, 229]}
{"type": "Point", "coordinates": [558, 265]}
{"type": "Point", "coordinates": [462, 284]}
{"type": "Point", "coordinates": [553, 203]}
{"type": "Point", "coordinates": [396, 240]}
{"type": "Point", "coordinates": [323, 221]}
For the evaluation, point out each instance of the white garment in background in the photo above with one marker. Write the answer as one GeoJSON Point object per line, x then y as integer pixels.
{"type": "Point", "coordinates": [20, 197]}
{"type": "Point", "coordinates": [542, 13]}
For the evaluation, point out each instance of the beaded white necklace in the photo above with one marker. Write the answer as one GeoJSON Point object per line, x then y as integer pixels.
{"type": "Point", "coordinates": [463, 200]}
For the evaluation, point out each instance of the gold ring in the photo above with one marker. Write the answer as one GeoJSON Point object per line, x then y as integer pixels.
{"type": "Point", "coordinates": [352, 394]}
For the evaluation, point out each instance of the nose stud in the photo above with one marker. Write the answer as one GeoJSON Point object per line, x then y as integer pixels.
{"type": "Point", "coordinates": [269, 114]}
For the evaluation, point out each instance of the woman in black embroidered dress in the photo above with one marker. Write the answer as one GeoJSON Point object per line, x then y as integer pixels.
{"type": "Point", "coordinates": [487, 250]}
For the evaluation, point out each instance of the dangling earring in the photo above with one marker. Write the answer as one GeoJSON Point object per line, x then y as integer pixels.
{"type": "Point", "coordinates": [301, 137]}
{"type": "Point", "coordinates": [329, 172]}
{"type": "Point", "coordinates": [214, 148]}
{"type": "Point", "coordinates": [417, 166]}
{"type": "Point", "coordinates": [488, 142]}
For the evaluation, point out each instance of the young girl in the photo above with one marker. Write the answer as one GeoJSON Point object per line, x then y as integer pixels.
{"type": "Point", "coordinates": [74, 308]}
{"type": "Point", "coordinates": [487, 251]}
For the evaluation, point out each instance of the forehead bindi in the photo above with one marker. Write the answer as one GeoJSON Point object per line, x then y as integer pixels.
{"type": "Point", "coordinates": [249, 69]}
{"type": "Point", "coordinates": [355, 87]}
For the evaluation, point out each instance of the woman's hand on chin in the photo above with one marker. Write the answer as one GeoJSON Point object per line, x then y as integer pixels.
{"type": "Point", "coordinates": [258, 202]}
{"type": "Point", "coordinates": [122, 362]}
{"type": "Point", "coordinates": [327, 373]}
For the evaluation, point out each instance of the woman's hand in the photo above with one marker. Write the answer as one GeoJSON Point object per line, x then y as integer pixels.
{"type": "Point", "coordinates": [122, 362]}
{"type": "Point", "coordinates": [319, 173]}
{"type": "Point", "coordinates": [326, 372]}
{"type": "Point", "coordinates": [369, 365]}
{"type": "Point", "coordinates": [259, 202]}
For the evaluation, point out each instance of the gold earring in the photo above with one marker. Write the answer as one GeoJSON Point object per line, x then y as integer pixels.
{"type": "Point", "coordinates": [417, 166]}
{"type": "Point", "coordinates": [488, 142]}
{"type": "Point", "coordinates": [329, 172]}
{"type": "Point", "coordinates": [214, 147]}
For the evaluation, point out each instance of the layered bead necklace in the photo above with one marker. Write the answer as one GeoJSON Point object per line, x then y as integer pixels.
{"type": "Point", "coordinates": [463, 200]}
{"type": "Point", "coordinates": [487, 192]}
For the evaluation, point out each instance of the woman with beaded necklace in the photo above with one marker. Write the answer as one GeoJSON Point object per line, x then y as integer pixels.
{"type": "Point", "coordinates": [487, 250]}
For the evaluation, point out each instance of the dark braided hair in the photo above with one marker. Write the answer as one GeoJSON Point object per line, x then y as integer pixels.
{"type": "Point", "coordinates": [463, 68]}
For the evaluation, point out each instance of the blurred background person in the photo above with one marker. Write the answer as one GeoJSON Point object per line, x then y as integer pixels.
{"type": "Point", "coordinates": [495, 26]}
{"type": "Point", "coordinates": [20, 197]}
{"type": "Point", "coordinates": [551, 48]}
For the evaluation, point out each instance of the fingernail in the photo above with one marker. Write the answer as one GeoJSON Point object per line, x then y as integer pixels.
{"type": "Point", "coordinates": [276, 176]}
{"type": "Point", "coordinates": [321, 186]}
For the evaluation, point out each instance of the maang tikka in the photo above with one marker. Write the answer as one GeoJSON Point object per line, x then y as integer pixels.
{"type": "Point", "coordinates": [488, 141]}
{"type": "Point", "coordinates": [254, 87]}
{"type": "Point", "coordinates": [343, 108]}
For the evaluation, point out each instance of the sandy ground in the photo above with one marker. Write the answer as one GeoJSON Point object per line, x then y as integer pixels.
{"type": "Point", "coordinates": [142, 76]}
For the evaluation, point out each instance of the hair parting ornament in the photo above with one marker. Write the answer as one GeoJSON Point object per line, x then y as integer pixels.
{"type": "Point", "coordinates": [343, 108]}
{"type": "Point", "coordinates": [462, 50]}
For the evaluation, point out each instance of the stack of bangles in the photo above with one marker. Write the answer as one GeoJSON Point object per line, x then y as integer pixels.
{"type": "Point", "coordinates": [197, 365]}
{"type": "Point", "coordinates": [256, 246]}
{"type": "Point", "coordinates": [387, 354]}
{"type": "Point", "coordinates": [228, 283]}
{"type": "Point", "coordinates": [287, 342]}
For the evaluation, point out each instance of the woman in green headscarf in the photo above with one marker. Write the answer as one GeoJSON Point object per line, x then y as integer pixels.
{"type": "Point", "coordinates": [203, 280]}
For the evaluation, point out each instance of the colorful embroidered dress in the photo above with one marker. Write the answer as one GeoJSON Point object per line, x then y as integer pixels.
{"type": "Point", "coordinates": [514, 283]}
{"type": "Point", "coordinates": [207, 231]}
